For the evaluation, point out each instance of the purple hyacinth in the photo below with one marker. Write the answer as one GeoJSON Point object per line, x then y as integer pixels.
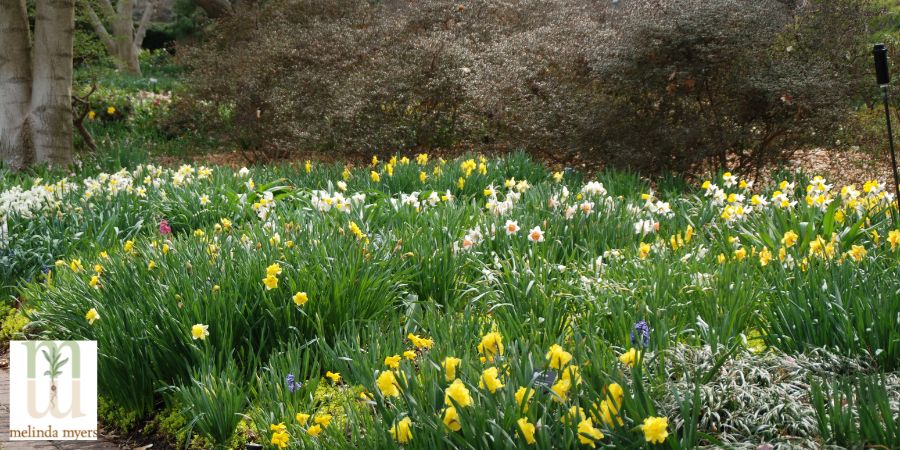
{"type": "Point", "coordinates": [291, 384]}
{"type": "Point", "coordinates": [640, 334]}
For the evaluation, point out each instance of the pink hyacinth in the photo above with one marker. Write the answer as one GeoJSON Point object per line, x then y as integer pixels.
{"type": "Point", "coordinates": [164, 227]}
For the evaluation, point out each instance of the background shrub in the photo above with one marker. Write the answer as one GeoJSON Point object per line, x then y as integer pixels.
{"type": "Point", "coordinates": [654, 85]}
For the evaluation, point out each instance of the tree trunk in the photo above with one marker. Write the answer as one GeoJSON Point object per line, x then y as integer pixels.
{"type": "Point", "coordinates": [16, 148]}
{"type": "Point", "coordinates": [51, 94]}
{"type": "Point", "coordinates": [124, 43]}
{"type": "Point", "coordinates": [126, 53]}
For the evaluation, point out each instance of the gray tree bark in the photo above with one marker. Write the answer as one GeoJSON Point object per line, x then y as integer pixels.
{"type": "Point", "coordinates": [16, 147]}
{"type": "Point", "coordinates": [51, 91]}
{"type": "Point", "coordinates": [124, 42]}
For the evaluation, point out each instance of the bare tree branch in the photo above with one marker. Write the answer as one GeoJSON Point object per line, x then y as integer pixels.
{"type": "Point", "coordinates": [145, 21]}
{"type": "Point", "coordinates": [98, 26]}
{"type": "Point", "coordinates": [107, 8]}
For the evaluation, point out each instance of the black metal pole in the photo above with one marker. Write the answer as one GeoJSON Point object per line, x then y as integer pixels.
{"type": "Point", "coordinates": [887, 114]}
{"type": "Point", "coordinates": [883, 77]}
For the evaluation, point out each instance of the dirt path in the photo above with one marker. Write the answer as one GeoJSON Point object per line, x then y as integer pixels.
{"type": "Point", "coordinates": [100, 444]}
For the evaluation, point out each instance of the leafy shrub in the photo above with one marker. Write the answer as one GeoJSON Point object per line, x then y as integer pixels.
{"type": "Point", "coordinates": [327, 75]}
{"type": "Point", "coordinates": [694, 82]}
{"type": "Point", "coordinates": [654, 85]}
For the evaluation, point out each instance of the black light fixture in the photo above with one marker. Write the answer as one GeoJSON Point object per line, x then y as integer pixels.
{"type": "Point", "coordinates": [883, 77]}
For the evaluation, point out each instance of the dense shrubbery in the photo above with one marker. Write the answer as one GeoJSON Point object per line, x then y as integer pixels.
{"type": "Point", "coordinates": [657, 85]}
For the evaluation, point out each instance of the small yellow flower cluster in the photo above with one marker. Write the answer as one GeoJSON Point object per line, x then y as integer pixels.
{"type": "Point", "coordinates": [271, 279]}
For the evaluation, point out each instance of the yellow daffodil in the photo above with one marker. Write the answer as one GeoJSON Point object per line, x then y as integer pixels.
{"type": "Point", "coordinates": [393, 362]}
{"type": "Point", "coordinates": [302, 418]}
{"type": "Point", "coordinates": [459, 393]}
{"type": "Point", "coordinates": [490, 380]}
{"type": "Point", "coordinates": [335, 377]}
{"type": "Point", "coordinates": [655, 429]}
{"type": "Point", "coordinates": [200, 331]}
{"type": "Point", "coordinates": [450, 365]}
{"type": "Point", "coordinates": [420, 342]}
{"type": "Point", "coordinates": [587, 434]}
{"type": "Point", "coordinates": [451, 419]}
{"type": "Point", "coordinates": [491, 345]}
{"type": "Point", "coordinates": [271, 282]}
{"type": "Point", "coordinates": [894, 239]}
{"type": "Point", "coordinates": [644, 250]}
{"type": "Point", "coordinates": [323, 419]}
{"type": "Point", "coordinates": [280, 439]}
{"type": "Point", "coordinates": [857, 252]}
{"type": "Point", "coordinates": [402, 431]}
{"type": "Point", "coordinates": [314, 430]}
{"type": "Point", "coordinates": [300, 298]}
{"type": "Point", "coordinates": [561, 389]}
{"type": "Point", "coordinates": [92, 316]}
{"type": "Point", "coordinates": [527, 430]}
{"type": "Point", "coordinates": [789, 239]}
{"type": "Point", "coordinates": [387, 384]}
{"type": "Point", "coordinates": [558, 357]}
{"type": "Point", "coordinates": [765, 256]}
{"type": "Point", "coordinates": [628, 358]}
{"type": "Point", "coordinates": [523, 397]}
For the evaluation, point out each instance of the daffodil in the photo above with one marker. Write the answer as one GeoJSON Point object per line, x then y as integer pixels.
{"type": "Point", "coordinates": [491, 346]}
{"type": "Point", "coordinates": [314, 430]}
{"type": "Point", "coordinates": [393, 362]}
{"type": "Point", "coordinates": [527, 429]}
{"type": "Point", "coordinates": [280, 439]}
{"type": "Point", "coordinates": [91, 316]}
{"type": "Point", "coordinates": [490, 380]}
{"type": "Point", "coordinates": [789, 239]}
{"type": "Point", "coordinates": [451, 419]}
{"type": "Point", "coordinates": [402, 431]}
{"type": "Point", "coordinates": [302, 418]}
{"type": "Point", "coordinates": [323, 419]}
{"type": "Point", "coordinates": [523, 396]}
{"type": "Point", "coordinates": [410, 355]}
{"type": "Point", "coordinates": [561, 390]}
{"type": "Point", "coordinates": [271, 282]}
{"type": "Point", "coordinates": [420, 342]}
{"type": "Point", "coordinates": [857, 252]}
{"type": "Point", "coordinates": [200, 331]}
{"type": "Point", "coordinates": [587, 434]}
{"type": "Point", "coordinates": [335, 377]}
{"type": "Point", "coordinates": [450, 365]}
{"type": "Point", "coordinates": [894, 239]}
{"type": "Point", "coordinates": [644, 250]}
{"type": "Point", "coordinates": [655, 429]}
{"type": "Point", "coordinates": [458, 393]}
{"type": "Point", "coordinates": [628, 358]}
{"type": "Point", "coordinates": [387, 384]}
{"type": "Point", "coordinates": [765, 256]}
{"type": "Point", "coordinates": [558, 357]}
{"type": "Point", "coordinates": [300, 298]}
